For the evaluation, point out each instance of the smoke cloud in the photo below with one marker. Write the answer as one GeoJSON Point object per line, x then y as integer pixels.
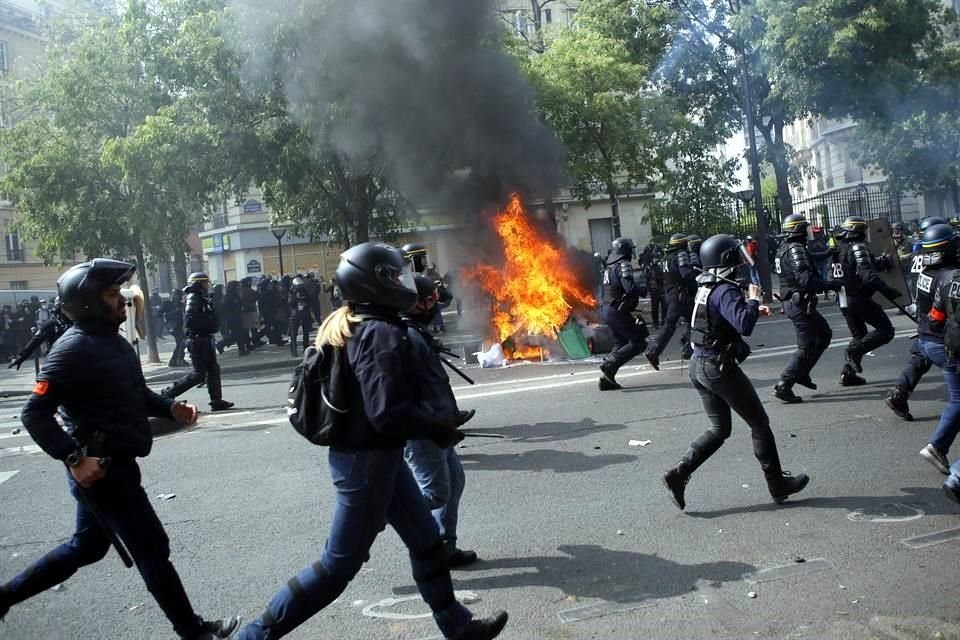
{"type": "Point", "coordinates": [420, 83]}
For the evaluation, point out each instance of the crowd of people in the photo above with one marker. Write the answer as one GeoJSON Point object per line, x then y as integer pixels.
{"type": "Point", "coordinates": [19, 323]}
{"type": "Point", "coordinates": [704, 283]}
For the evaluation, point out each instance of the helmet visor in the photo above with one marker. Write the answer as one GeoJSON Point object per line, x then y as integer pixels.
{"type": "Point", "coordinates": [406, 277]}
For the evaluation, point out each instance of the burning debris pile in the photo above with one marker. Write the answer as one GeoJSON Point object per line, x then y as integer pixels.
{"type": "Point", "coordinates": [534, 291]}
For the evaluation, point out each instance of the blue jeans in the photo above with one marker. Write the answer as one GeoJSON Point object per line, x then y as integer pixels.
{"type": "Point", "coordinates": [374, 488]}
{"type": "Point", "coordinates": [127, 511]}
{"type": "Point", "coordinates": [949, 425]}
{"type": "Point", "coordinates": [953, 480]}
{"type": "Point", "coordinates": [441, 479]}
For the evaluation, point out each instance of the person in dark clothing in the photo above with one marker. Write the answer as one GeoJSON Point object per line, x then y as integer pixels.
{"type": "Point", "coordinates": [680, 281]}
{"type": "Point", "coordinates": [654, 279]}
{"type": "Point", "coordinates": [800, 286]}
{"type": "Point", "coordinates": [856, 269]}
{"type": "Point", "coordinates": [268, 302]}
{"type": "Point", "coordinates": [621, 294]}
{"type": "Point", "coordinates": [172, 311]}
{"type": "Point", "coordinates": [437, 470]}
{"type": "Point", "coordinates": [48, 333]}
{"type": "Point", "coordinates": [300, 313]}
{"type": "Point", "coordinates": [200, 323]}
{"type": "Point", "coordinates": [374, 486]}
{"type": "Point", "coordinates": [721, 316]}
{"type": "Point", "coordinates": [231, 318]}
{"type": "Point", "coordinates": [939, 260]}
{"type": "Point", "coordinates": [92, 377]}
{"type": "Point", "coordinates": [249, 317]}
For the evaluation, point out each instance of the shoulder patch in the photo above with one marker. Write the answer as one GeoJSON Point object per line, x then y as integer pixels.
{"type": "Point", "coordinates": [41, 387]}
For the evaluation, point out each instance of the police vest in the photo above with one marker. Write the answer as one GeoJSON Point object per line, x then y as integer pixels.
{"type": "Point", "coordinates": [852, 256]}
{"type": "Point", "coordinates": [612, 287]}
{"type": "Point", "coordinates": [710, 331]}
{"type": "Point", "coordinates": [928, 281]}
{"type": "Point", "coordinates": [671, 269]}
{"type": "Point", "coordinates": [791, 259]}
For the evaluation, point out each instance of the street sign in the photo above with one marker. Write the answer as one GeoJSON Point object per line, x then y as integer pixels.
{"type": "Point", "coordinates": [252, 206]}
{"type": "Point", "coordinates": [253, 266]}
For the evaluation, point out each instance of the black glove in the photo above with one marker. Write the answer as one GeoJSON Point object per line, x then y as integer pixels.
{"type": "Point", "coordinates": [446, 438]}
{"type": "Point", "coordinates": [15, 363]}
{"type": "Point", "coordinates": [464, 417]}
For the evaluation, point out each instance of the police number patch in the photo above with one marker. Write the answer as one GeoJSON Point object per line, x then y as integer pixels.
{"type": "Point", "coordinates": [924, 282]}
{"type": "Point", "coordinates": [702, 294]}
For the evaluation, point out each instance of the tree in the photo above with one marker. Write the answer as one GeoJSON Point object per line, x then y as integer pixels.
{"type": "Point", "coordinates": [131, 129]}
{"type": "Point", "coordinates": [592, 95]}
{"type": "Point", "coordinates": [893, 66]}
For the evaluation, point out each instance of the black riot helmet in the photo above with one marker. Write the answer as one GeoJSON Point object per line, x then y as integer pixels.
{"type": "Point", "coordinates": [426, 288]}
{"type": "Point", "coordinates": [854, 228]}
{"type": "Point", "coordinates": [678, 242]}
{"type": "Point", "coordinates": [938, 244]}
{"type": "Point", "coordinates": [623, 247]}
{"type": "Point", "coordinates": [795, 225]}
{"type": "Point", "coordinates": [377, 274]}
{"type": "Point", "coordinates": [929, 222]}
{"type": "Point", "coordinates": [197, 282]}
{"type": "Point", "coordinates": [693, 242]}
{"type": "Point", "coordinates": [417, 253]}
{"type": "Point", "coordinates": [81, 287]}
{"type": "Point", "coordinates": [722, 254]}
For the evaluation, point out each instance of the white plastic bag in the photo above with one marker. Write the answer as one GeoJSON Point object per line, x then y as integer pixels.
{"type": "Point", "coordinates": [493, 357]}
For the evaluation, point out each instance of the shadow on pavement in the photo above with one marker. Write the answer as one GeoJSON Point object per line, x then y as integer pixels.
{"type": "Point", "coordinates": [549, 431]}
{"type": "Point", "coordinates": [541, 460]}
{"type": "Point", "coordinates": [929, 499]}
{"type": "Point", "coordinates": [591, 571]}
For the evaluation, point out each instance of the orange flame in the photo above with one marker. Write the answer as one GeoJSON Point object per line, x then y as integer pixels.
{"type": "Point", "coordinates": [535, 290]}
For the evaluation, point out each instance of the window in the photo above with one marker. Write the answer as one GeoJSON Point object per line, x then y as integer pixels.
{"type": "Point", "coordinates": [14, 248]}
{"type": "Point", "coordinates": [571, 14]}
{"type": "Point", "coordinates": [548, 15]}
{"type": "Point", "coordinates": [522, 24]}
{"type": "Point", "coordinates": [19, 285]}
{"type": "Point", "coordinates": [4, 56]}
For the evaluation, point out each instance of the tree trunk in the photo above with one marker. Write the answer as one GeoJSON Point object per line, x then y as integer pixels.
{"type": "Point", "coordinates": [781, 169]}
{"type": "Point", "coordinates": [363, 226]}
{"type": "Point", "coordinates": [180, 268]}
{"type": "Point", "coordinates": [153, 356]}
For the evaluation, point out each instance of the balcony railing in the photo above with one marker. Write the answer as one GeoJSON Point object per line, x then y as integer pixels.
{"type": "Point", "coordinates": [14, 16]}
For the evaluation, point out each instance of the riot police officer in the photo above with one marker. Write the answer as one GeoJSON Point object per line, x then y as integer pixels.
{"type": "Point", "coordinates": [654, 279]}
{"type": "Point", "coordinates": [938, 259]}
{"type": "Point", "coordinates": [200, 324]}
{"type": "Point", "coordinates": [680, 282]}
{"type": "Point", "coordinates": [49, 332]}
{"type": "Point", "coordinates": [437, 470]}
{"type": "Point", "coordinates": [92, 376]}
{"type": "Point", "coordinates": [300, 311]}
{"type": "Point", "coordinates": [693, 249]}
{"type": "Point", "coordinates": [856, 269]}
{"type": "Point", "coordinates": [172, 311]}
{"type": "Point", "coordinates": [621, 294]}
{"type": "Point", "coordinates": [374, 486]}
{"type": "Point", "coordinates": [800, 284]}
{"type": "Point", "coordinates": [417, 253]}
{"type": "Point", "coordinates": [721, 316]}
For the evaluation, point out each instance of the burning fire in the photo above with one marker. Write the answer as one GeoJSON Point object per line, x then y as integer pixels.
{"type": "Point", "coordinates": [535, 290]}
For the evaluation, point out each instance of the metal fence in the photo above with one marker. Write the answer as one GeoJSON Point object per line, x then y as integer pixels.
{"type": "Point", "coordinates": [738, 217]}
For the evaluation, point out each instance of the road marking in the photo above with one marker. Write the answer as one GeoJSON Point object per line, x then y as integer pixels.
{"type": "Point", "coordinates": [788, 571]}
{"type": "Point", "coordinates": [375, 610]}
{"type": "Point", "coordinates": [16, 451]}
{"type": "Point", "coordinates": [886, 513]}
{"type": "Point", "coordinates": [6, 475]}
{"type": "Point", "coordinates": [928, 540]}
{"type": "Point", "coordinates": [581, 376]}
{"type": "Point", "coordinates": [629, 602]}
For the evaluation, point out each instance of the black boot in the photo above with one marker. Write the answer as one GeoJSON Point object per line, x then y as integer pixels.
{"type": "Point", "coordinates": [653, 359]}
{"type": "Point", "coordinates": [220, 405]}
{"type": "Point", "coordinates": [808, 383]}
{"type": "Point", "coordinates": [484, 629]}
{"type": "Point", "coordinates": [5, 601]}
{"type": "Point", "coordinates": [216, 630]}
{"type": "Point", "coordinates": [897, 401]}
{"type": "Point", "coordinates": [783, 485]}
{"type": "Point", "coordinates": [784, 391]}
{"type": "Point", "coordinates": [460, 558]}
{"type": "Point", "coordinates": [854, 359]}
{"type": "Point", "coordinates": [608, 378]}
{"type": "Point", "coordinates": [463, 417]}
{"type": "Point", "coordinates": [676, 481]}
{"type": "Point", "coordinates": [849, 377]}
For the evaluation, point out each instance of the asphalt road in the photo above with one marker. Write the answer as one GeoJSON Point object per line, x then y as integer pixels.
{"type": "Point", "coordinates": [578, 536]}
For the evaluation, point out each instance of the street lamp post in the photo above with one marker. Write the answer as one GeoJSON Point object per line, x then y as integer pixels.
{"type": "Point", "coordinates": [278, 233]}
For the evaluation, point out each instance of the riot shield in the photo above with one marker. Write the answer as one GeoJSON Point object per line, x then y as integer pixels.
{"type": "Point", "coordinates": [880, 243]}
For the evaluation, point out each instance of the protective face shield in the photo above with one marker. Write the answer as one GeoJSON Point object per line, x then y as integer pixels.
{"type": "Point", "coordinates": [745, 255]}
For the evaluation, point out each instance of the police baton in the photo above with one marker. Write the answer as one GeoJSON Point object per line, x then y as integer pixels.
{"type": "Point", "coordinates": [92, 507]}
{"type": "Point", "coordinates": [474, 434]}
{"type": "Point", "coordinates": [454, 368]}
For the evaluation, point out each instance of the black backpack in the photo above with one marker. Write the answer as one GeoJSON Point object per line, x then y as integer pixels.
{"type": "Point", "coordinates": [317, 402]}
